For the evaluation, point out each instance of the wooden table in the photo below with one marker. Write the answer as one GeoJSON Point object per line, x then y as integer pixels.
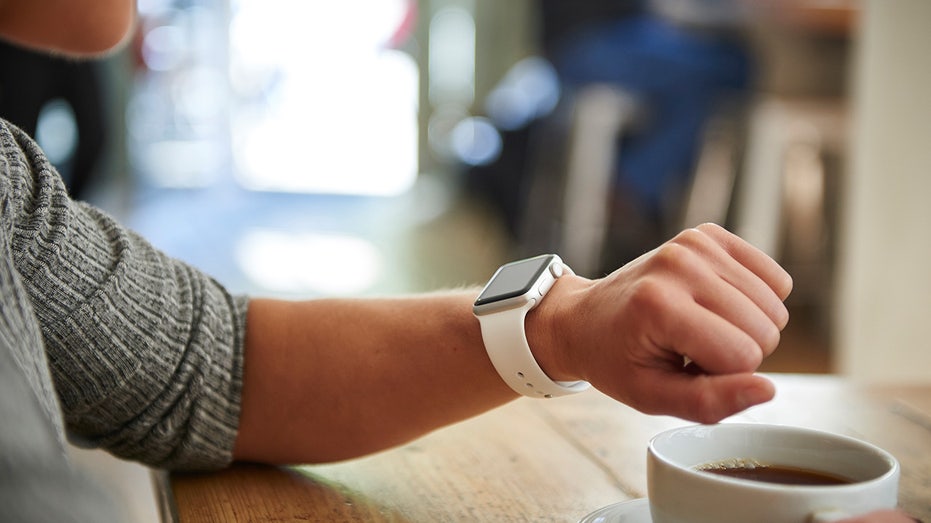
{"type": "Point", "coordinates": [540, 460]}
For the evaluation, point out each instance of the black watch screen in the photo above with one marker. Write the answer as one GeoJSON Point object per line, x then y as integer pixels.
{"type": "Point", "coordinates": [514, 279]}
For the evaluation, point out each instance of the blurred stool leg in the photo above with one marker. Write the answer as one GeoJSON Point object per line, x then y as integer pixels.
{"type": "Point", "coordinates": [601, 115]}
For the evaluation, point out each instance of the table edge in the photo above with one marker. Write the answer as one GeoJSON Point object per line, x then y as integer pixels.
{"type": "Point", "coordinates": [164, 497]}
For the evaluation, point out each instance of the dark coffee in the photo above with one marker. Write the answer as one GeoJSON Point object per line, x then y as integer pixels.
{"type": "Point", "coordinates": [775, 474]}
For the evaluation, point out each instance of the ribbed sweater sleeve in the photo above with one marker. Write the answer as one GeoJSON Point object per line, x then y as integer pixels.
{"type": "Point", "coordinates": [145, 352]}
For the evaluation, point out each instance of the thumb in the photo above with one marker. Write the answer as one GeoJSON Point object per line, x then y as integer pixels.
{"type": "Point", "coordinates": [708, 398]}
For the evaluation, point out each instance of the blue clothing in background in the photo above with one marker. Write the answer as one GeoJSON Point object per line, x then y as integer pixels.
{"type": "Point", "coordinates": [678, 75]}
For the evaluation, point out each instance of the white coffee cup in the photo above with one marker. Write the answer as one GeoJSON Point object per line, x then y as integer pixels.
{"type": "Point", "coordinates": [680, 493]}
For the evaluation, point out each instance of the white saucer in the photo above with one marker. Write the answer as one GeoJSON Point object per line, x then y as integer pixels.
{"type": "Point", "coordinates": [633, 511]}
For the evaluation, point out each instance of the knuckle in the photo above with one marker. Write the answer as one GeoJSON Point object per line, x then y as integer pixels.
{"type": "Point", "coordinates": [710, 228]}
{"type": "Point", "coordinates": [717, 233]}
{"type": "Point", "coordinates": [747, 356]}
{"type": "Point", "coordinates": [784, 287]}
{"type": "Point", "coordinates": [771, 339]}
{"type": "Point", "coordinates": [649, 294]}
{"type": "Point", "coordinates": [781, 316]}
{"type": "Point", "coordinates": [688, 236]}
{"type": "Point", "coordinates": [675, 256]}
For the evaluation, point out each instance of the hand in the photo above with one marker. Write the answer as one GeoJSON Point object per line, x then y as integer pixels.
{"type": "Point", "coordinates": [881, 516]}
{"type": "Point", "coordinates": [705, 297]}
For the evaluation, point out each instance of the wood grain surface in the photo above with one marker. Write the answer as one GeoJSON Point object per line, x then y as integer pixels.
{"type": "Point", "coordinates": [540, 460]}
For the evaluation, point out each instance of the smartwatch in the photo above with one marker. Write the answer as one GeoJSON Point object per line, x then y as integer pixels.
{"type": "Point", "coordinates": [501, 308]}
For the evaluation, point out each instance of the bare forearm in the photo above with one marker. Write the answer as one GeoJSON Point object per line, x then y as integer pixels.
{"type": "Point", "coordinates": [337, 378]}
{"type": "Point", "coordinates": [333, 379]}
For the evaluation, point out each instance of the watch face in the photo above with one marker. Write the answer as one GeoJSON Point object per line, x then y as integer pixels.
{"type": "Point", "coordinates": [514, 279]}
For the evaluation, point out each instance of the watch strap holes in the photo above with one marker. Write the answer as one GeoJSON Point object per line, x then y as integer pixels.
{"type": "Point", "coordinates": [527, 384]}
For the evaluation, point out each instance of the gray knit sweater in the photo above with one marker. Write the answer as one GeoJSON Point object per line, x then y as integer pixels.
{"type": "Point", "coordinates": [103, 337]}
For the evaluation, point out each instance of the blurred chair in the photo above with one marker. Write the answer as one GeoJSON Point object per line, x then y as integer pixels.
{"type": "Point", "coordinates": [602, 113]}
{"type": "Point", "coordinates": [787, 199]}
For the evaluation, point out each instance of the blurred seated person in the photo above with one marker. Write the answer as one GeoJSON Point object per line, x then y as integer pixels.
{"type": "Point", "coordinates": [30, 80]}
{"type": "Point", "coordinates": [680, 65]}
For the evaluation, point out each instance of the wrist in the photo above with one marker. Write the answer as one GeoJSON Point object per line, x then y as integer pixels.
{"type": "Point", "coordinates": [503, 309]}
{"type": "Point", "coordinates": [550, 327]}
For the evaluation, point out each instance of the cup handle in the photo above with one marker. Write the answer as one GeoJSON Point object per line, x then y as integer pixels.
{"type": "Point", "coordinates": [827, 515]}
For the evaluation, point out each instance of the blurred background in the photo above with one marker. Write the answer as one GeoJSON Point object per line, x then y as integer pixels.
{"type": "Point", "coordinates": [304, 149]}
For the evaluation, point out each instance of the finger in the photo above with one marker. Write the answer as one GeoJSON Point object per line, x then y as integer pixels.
{"type": "Point", "coordinates": [765, 334]}
{"type": "Point", "coordinates": [704, 398]}
{"type": "Point", "coordinates": [711, 341]}
{"type": "Point", "coordinates": [683, 326]}
{"type": "Point", "coordinates": [746, 268]}
{"type": "Point", "coordinates": [752, 258]}
{"type": "Point", "coordinates": [736, 270]}
{"type": "Point", "coordinates": [741, 312]}
{"type": "Point", "coordinates": [724, 299]}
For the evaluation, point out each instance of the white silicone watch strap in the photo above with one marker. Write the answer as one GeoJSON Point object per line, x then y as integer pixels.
{"type": "Point", "coordinates": [503, 332]}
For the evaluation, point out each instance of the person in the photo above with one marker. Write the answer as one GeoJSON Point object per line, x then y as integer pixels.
{"type": "Point", "coordinates": [109, 341]}
{"type": "Point", "coordinates": [30, 81]}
